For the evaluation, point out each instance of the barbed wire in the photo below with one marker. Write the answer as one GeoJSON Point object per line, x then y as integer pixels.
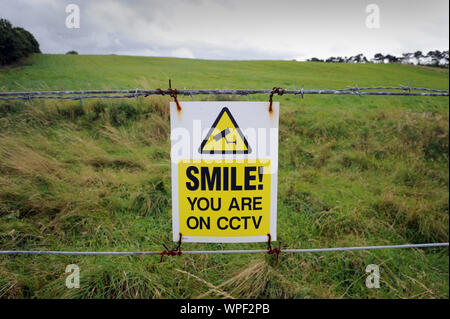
{"type": "Point", "coordinates": [239, 251]}
{"type": "Point", "coordinates": [83, 94]}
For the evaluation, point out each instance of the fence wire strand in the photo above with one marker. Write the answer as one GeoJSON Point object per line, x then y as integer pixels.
{"type": "Point", "coordinates": [118, 94]}
{"type": "Point", "coordinates": [201, 252]}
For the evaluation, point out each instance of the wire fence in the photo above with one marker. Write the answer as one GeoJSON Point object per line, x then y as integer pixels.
{"type": "Point", "coordinates": [118, 94]}
{"type": "Point", "coordinates": [200, 252]}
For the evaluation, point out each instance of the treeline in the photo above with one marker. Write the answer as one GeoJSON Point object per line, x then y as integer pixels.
{"type": "Point", "coordinates": [15, 43]}
{"type": "Point", "coordinates": [432, 58]}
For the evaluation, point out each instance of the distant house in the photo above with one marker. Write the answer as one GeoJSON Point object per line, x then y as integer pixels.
{"type": "Point", "coordinates": [409, 58]}
{"type": "Point", "coordinates": [377, 61]}
{"type": "Point", "coordinates": [433, 58]}
{"type": "Point", "coordinates": [428, 60]}
{"type": "Point", "coordinates": [443, 59]}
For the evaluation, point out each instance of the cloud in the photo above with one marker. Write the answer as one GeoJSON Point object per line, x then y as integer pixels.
{"type": "Point", "coordinates": [233, 29]}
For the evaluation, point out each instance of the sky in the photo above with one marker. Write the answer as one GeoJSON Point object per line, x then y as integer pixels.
{"type": "Point", "coordinates": [235, 29]}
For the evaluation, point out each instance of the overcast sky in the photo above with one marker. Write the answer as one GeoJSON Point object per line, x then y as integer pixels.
{"type": "Point", "coordinates": [234, 29]}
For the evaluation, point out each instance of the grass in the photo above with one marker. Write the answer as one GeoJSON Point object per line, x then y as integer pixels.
{"type": "Point", "coordinates": [353, 171]}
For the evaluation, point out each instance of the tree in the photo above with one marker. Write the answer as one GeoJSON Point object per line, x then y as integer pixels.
{"type": "Point", "coordinates": [378, 56]}
{"type": "Point", "coordinates": [6, 42]}
{"type": "Point", "coordinates": [15, 43]}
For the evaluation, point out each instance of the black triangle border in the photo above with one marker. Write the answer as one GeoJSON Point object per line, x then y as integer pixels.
{"type": "Point", "coordinates": [225, 109]}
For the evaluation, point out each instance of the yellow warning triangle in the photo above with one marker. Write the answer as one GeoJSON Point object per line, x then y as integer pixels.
{"type": "Point", "coordinates": [225, 137]}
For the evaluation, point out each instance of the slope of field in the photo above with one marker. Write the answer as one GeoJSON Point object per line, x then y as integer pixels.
{"type": "Point", "coordinates": [353, 171]}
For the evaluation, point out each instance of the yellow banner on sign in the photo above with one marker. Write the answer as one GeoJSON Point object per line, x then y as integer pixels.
{"type": "Point", "coordinates": [224, 198]}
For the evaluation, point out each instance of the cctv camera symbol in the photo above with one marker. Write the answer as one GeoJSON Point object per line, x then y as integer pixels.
{"type": "Point", "coordinates": [223, 135]}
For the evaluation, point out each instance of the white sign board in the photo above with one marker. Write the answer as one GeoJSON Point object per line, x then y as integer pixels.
{"type": "Point", "coordinates": [224, 171]}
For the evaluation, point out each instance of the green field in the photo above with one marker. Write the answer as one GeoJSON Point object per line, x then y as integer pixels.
{"type": "Point", "coordinates": [352, 171]}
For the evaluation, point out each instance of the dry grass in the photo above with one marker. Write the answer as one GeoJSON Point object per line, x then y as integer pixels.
{"type": "Point", "coordinates": [352, 171]}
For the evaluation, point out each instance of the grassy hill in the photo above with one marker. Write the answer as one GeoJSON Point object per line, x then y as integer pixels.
{"type": "Point", "coordinates": [353, 171]}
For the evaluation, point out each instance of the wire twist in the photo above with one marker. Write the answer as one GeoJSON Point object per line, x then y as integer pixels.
{"type": "Point", "coordinates": [279, 90]}
{"type": "Point", "coordinates": [271, 250]}
{"type": "Point", "coordinates": [171, 252]}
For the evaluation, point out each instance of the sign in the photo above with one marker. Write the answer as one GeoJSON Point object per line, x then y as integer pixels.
{"type": "Point", "coordinates": [225, 136]}
{"type": "Point", "coordinates": [224, 171]}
